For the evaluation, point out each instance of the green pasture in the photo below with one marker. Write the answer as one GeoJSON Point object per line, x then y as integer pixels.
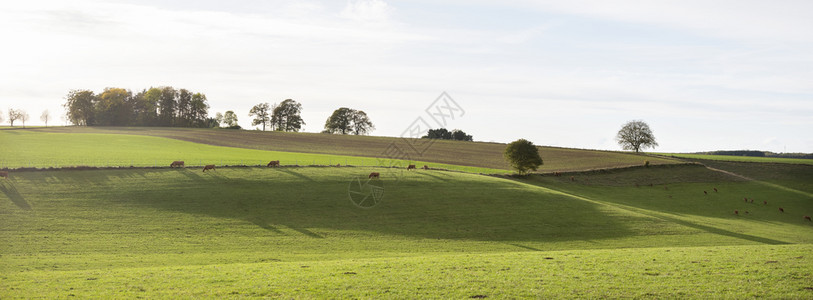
{"type": "Point", "coordinates": [475, 154]}
{"type": "Point", "coordinates": [294, 233]}
{"type": "Point", "coordinates": [34, 149]}
{"type": "Point", "coordinates": [740, 158]}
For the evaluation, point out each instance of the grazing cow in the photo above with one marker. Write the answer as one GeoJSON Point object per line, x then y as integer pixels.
{"type": "Point", "coordinates": [808, 218]}
{"type": "Point", "coordinates": [273, 163]}
{"type": "Point", "coordinates": [752, 200]}
{"type": "Point", "coordinates": [410, 167]}
{"type": "Point", "coordinates": [572, 178]}
{"type": "Point", "coordinates": [736, 212]}
{"type": "Point", "coordinates": [746, 200]}
{"type": "Point", "coordinates": [338, 165]}
{"type": "Point", "coordinates": [764, 202]}
{"type": "Point", "coordinates": [705, 193]}
{"type": "Point", "coordinates": [715, 190]}
{"type": "Point", "coordinates": [177, 163]}
{"type": "Point", "coordinates": [781, 209]}
{"type": "Point", "coordinates": [425, 167]}
{"type": "Point", "coordinates": [208, 167]}
{"type": "Point", "coordinates": [4, 174]}
{"type": "Point", "coordinates": [374, 175]}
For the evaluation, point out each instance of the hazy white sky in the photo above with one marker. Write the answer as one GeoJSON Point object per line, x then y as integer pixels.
{"type": "Point", "coordinates": [705, 75]}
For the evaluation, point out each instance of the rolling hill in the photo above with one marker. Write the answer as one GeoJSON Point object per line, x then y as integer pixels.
{"type": "Point", "coordinates": [473, 154]}
{"type": "Point", "coordinates": [295, 232]}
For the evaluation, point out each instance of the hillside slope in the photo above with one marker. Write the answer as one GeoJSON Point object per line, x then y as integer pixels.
{"type": "Point", "coordinates": [475, 154]}
{"type": "Point", "coordinates": [293, 232]}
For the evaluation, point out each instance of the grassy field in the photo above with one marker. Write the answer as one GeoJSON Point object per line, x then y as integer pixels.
{"type": "Point", "coordinates": [475, 154]}
{"type": "Point", "coordinates": [293, 232]}
{"type": "Point", "coordinates": [738, 158]}
{"type": "Point", "coordinates": [25, 148]}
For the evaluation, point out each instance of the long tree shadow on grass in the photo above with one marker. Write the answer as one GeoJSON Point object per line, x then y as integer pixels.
{"type": "Point", "coordinates": [312, 201]}
{"type": "Point", "coordinates": [12, 193]}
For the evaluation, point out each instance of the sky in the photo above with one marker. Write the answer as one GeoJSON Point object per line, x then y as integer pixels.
{"type": "Point", "coordinates": [705, 75]}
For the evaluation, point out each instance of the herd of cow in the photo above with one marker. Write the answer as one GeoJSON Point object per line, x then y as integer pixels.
{"type": "Point", "coordinates": [273, 163]}
{"type": "Point", "coordinates": [747, 200]}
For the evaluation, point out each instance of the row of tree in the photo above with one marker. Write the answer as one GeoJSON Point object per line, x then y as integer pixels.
{"type": "Point", "coordinates": [286, 116]}
{"type": "Point", "coordinates": [22, 116]}
{"type": "Point", "coordinates": [156, 106]}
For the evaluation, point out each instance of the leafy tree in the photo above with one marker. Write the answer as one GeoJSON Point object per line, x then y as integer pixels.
{"type": "Point", "coordinates": [212, 122]}
{"type": "Point", "coordinates": [230, 118]}
{"type": "Point", "coordinates": [345, 120]}
{"type": "Point", "coordinates": [199, 110]}
{"type": "Point", "coordinates": [184, 108]}
{"type": "Point", "coordinates": [45, 117]}
{"type": "Point", "coordinates": [261, 114]}
{"type": "Point", "coordinates": [636, 135]}
{"type": "Point", "coordinates": [361, 123]}
{"type": "Point", "coordinates": [285, 116]}
{"type": "Point", "coordinates": [145, 107]}
{"type": "Point", "coordinates": [339, 121]}
{"type": "Point", "coordinates": [167, 106]}
{"type": "Point", "coordinates": [523, 156]}
{"type": "Point", "coordinates": [80, 107]}
{"type": "Point", "coordinates": [113, 107]}
{"type": "Point", "coordinates": [219, 119]}
{"type": "Point", "coordinates": [459, 135]}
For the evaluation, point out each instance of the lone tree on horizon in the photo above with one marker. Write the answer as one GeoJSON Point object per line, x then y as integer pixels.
{"type": "Point", "coordinates": [260, 114]}
{"type": "Point", "coordinates": [347, 120]}
{"type": "Point", "coordinates": [14, 115]}
{"type": "Point", "coordinates": [523, 156]}
{"type": "Point", "coordinates": [636, 135]}
{"type": "Point", "coordinates": [45, 117]}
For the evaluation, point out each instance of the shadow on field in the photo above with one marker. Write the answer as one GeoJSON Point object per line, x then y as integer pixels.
{"type": "Point", "coordinates": [719, 231]}
{"type": "Point", "coordinates": [11, 192]}
{"type": "Point", "coordinates": [312, 202]}
{"type": "Point", "coordinates": [297, 174]}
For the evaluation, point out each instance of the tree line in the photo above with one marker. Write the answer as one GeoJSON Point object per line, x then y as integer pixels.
{"type": "Point", "coordinates": [156, 106]}
{"type": "Point", "coordinates": [22, 116]}
{"type": "Point", "coordinates": [171, 107]}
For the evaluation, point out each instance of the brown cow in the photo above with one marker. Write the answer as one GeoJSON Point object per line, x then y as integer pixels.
{"type": "Point", "coordinates": [715, 190]}
{"type": "Point", "coordinates": [781, 209]}
{"type": "Point", "coordinates": [410, 167]}
{"type": "Point", "coordinates": [374, 175]}
{"type": "Point", "coordinates": [4, 174]}
{"type": "Point", "coordinates": [705, 193]}
{"type": "Point", "coordinates": [807, 218]}
{"type": "Point", "coordinates": [425, 167]}
{"type": "Point", "coordinates": [177, 163]}
{"type": "Point", "coordinates": [736, 212]}
{"type": "Point", "coordinates": [273, 163]}
{"type": "Point", "coordinates": [764, 202]}
{"type": "Point", "coordinates": [208, 167]}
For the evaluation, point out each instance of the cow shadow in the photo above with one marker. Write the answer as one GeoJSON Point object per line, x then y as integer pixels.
{"type": "Point", "coordinates": [12, 193]}
{"type": "Point", "coordinates": [296, 174]}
